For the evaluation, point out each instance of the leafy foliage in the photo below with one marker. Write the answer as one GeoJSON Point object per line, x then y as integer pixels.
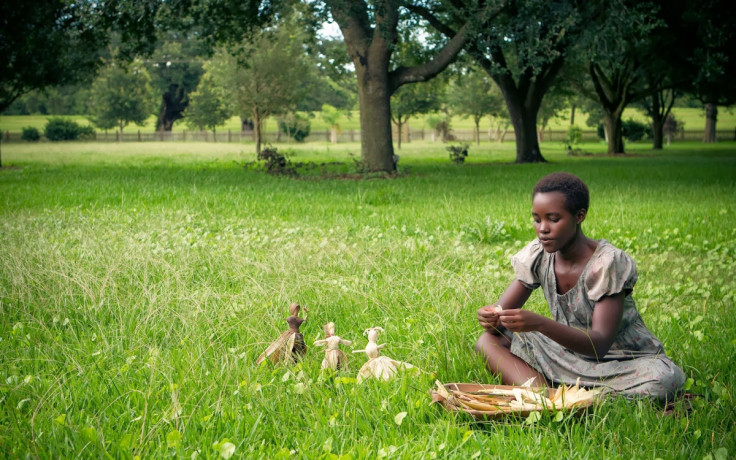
{"type": "Point", "coordinates": [62, 129]}
{"type": "Point", "coordinates": [121, 95]}
{"type": "Point", "coordinates": [276, 163]}
{"type": "Point", "coordinates": [30, 133]}
{"type": "Point", "coordinates": [45, 44]}
{"type": "Point", "coordinates": [458, 153]}
{"type": "Point", "coordinates": [634, 130]}
{"type": "Point", "coordinates": [295, 125]}
{"type": "Point", "coordinates": [207, 108]}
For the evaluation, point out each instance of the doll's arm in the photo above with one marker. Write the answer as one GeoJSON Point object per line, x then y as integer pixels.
{"type": "Point", "coordinates": [381, 346]}
{"type": "Point", "coordinates": [320, 342]}
{"type": "Point", "coordinates": [346, 342]}
{"type": "Point", "coordinates": [358, 351]}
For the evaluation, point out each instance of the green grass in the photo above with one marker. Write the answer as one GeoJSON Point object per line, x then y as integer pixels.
{"type": "Point", "coordinates": [694, 120]}
{"type": "Point", "coordinates": [139, 282]}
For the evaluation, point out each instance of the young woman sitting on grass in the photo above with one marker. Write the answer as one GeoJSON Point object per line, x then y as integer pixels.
{"type": "Point", "coordinates": [596, 333]}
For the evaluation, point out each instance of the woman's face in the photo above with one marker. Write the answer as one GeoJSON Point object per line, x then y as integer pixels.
{"type": "Point", "coordinates": [556, 227]}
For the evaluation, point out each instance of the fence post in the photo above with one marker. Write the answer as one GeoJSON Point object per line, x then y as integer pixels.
{"type": "Point", "coordinates": [139, 135]}
{"type": "Point", "coordinates": [229, 136]}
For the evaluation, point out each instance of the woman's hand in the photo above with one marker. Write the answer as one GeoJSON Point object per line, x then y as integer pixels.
{"type": "Point", "coordinates": [518, 320]}
{"type": "Point", "coordinates": [488, 318]}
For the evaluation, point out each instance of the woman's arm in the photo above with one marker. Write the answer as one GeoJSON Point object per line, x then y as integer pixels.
{"type": "Point", "coordinates": [514, 297]}
{"type": "Point", "coordinates": [593, 342]}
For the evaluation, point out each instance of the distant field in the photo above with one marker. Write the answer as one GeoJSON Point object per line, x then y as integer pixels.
{"type": "Point", "coordinates": [694, 120]}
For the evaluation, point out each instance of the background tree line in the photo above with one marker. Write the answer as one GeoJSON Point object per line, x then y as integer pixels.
{"type": "Point", "coordinates": [518, 61]}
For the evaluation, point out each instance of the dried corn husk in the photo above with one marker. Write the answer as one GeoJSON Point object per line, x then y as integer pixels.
{"type": "Point", "coordinates": [491, 401]}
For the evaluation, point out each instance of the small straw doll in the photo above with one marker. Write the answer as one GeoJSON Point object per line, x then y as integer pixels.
{"type": "Point", "coordinates": [290, 346]}
{"type": "Point", "coordinates": [335, 359]}
{"type": "Point", "coordinates": [379, 367]}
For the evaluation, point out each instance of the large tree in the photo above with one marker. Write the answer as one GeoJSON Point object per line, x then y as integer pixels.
{"type": "Point", "coordinates": [371, 33]}
{"type": "Point", "coordinates": [523, 50]}
{"type": "Point", "coordinates": [705, 41]}
{"type": "Point", "coordinates": [614, 54]}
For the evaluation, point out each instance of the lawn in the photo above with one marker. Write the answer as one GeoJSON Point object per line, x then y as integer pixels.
{"type": "Point", "coordinates": [139, 282]}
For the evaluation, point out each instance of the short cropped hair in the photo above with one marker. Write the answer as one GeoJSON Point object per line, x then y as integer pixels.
{"type": "Point", "coordinates": [576, 192]}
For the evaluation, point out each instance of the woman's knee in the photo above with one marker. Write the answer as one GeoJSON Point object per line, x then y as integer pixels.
{"type": "Point", "coordinates": [488, 343]}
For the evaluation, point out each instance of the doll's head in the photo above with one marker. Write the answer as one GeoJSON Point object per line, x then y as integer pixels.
{"type": "Point", "coordinates": [329, 329]}
{"type": "Point", "coordinates": [294, 309]}
{"type": "Point", "coordinates": [372, 333]}
{"type": "Point", "coordinates": [571, 186]}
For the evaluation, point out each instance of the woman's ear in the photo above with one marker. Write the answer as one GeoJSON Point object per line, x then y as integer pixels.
{"type": "Point", "coordinates": [580, 216]}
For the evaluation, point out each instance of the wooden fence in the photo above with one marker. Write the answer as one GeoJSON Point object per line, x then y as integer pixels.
{"type": "Point", "coordinates": [408, 135]}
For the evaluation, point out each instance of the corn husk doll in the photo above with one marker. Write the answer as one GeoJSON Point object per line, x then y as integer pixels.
{"type": "Point", "coordinates": [334, 359]}
{"type": "Point", "coordinates": [377, 366]}
{"type": "Point", "coordinates": [290, 346]}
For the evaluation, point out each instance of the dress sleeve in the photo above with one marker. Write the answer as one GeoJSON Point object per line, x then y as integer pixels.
{"type": "Point", "coordinates": [526, 264]}
{"type": "Point", "coordinates": [611, 273]}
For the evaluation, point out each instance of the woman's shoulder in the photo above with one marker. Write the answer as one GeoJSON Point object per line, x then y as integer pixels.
{"type": "Point", "coordinates": [606, 254]}
{"type": "Point", "coordinates": [610, 270]}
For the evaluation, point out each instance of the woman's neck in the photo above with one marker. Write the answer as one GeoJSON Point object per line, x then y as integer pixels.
{"type": "Point", "coordinates": [579, 248]}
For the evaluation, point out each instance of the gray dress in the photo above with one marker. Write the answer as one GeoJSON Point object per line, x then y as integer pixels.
{"type": "Point", "coordinates": [635, 365]}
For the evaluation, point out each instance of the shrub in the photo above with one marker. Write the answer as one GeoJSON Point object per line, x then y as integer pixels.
{"type": "Point", "coordinates": [458, 153]}
{"type": "Point", "coordinates": [634, 130]}
{"type": "Point", "coordinates": [574, 136]}
{"type": "Point", "coordinates": [61, 129]}
{"type": "Point", "coordinates": [295, 126]}
{"type": "Point", "coordinates": [30, 134]}
{"type": "Point", "coordinates": [276, 163]}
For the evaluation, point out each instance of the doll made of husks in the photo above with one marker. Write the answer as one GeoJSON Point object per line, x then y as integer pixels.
{"type": "Point", "coordinates": [334, 359]}
{"type": "Point", "coordinates": [378, 366]}
{"type": "Point", "coordinates": [289, 346]}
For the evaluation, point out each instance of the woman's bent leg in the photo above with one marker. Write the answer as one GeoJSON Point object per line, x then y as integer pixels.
{"type": "Point", "coordinates": [496, 352]}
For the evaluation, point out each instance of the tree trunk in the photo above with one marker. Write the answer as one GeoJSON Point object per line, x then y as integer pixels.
{"type": "Point", "coordinates": [711, 117]}
{"type": "Point", "coordinates": [376, 146]}
{"type": "Point", "coordinates": [572, 115]}
{"type": "Point", "coordinates": [615, 133]}
{"type": "Point", "coordinates": [657, 134]}
{"type": "Point", "coordinates": [524, 121]}
{"type": "Point", "coordinates": [333, 134]}
{"type": "Point", "coordinates": [477, 131]}
{"type": "Point", "coordinates": [399, 128]}
{"type": "Point", "coordinates": [257, 129]}
{"type": "Point", "coordinates": [173, 104]}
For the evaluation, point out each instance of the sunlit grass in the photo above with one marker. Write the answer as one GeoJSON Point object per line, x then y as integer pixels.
{"type": "Point", "coordinates": [139, 282]}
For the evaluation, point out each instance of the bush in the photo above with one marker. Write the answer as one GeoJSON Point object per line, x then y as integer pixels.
{"type": "Point", "coordinates": [574, 136]}
{"type": "Point", "coordinates": [458, 153]}
{"type": "Point", "coordinates": [61, 129]}
{"type": "Point", "coordinates": [30, 134]}
{"type": "Point", "coordinates": [631, 130]}
{"type": "Point", "coordinates": [295, 126]}
{"type": "Point", "coordinates": [276, 163]}
{"type": "Point", "coordinates": [634, 130]}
